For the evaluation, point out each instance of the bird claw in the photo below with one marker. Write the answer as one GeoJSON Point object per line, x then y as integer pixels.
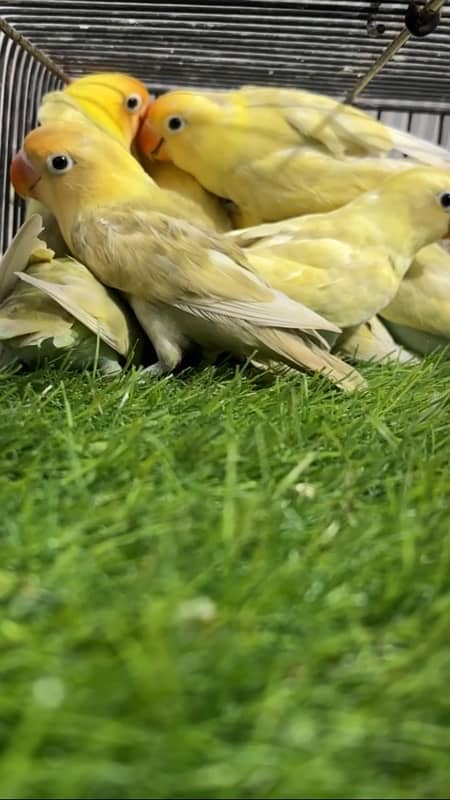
{"type": "Point", "coordinates": [155, 370]}
{"type": "Point", "coordinates": [109, 368]}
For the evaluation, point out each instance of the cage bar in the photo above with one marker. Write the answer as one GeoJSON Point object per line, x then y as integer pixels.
{"type": "Point", "coordinates": [313, 44]}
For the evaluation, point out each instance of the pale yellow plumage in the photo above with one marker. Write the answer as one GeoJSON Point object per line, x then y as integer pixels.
{"type": "Point", "coordinates": [419, 314]}
{"type": "Point", "coordinates": [113, 101]}
{"type": "Point", "coordinates": [52, 233]}
{"type": "Point", "coordinates": [57, 105]}
{"type": "Point", "coordinates": [284, 153]}
{"type": "Point", "coordinates": [19, 253]}
{"type": "Point", "coordinates": [372, 342]}
{"type": "Point", "coordinates": [194, 203]}
{"type": "Point", "coordinates": [348, 264]}
{"type": "Point", "coordinates": [276, 153]}
{"type": "Point", "coordinates": [55, 307]}
{"type": "Point", "coordinates": [60, 106]}
{"type": "Point", "coordinates": [99, 99]}
{"type": "Point", "coordinates": [190, 285]}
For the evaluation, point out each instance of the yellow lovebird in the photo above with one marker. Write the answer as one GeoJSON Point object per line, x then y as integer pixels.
{"type": "Point", "coordinates": [277, 153]}
{"type": "Point", "coordinates": [188, 285]}
{"type": "Point", "coordinates": [419, 314]}
{"type": "Point", "coordinates": [113, 101]}
{"type": "Point", "coordinates": [116, 103]}
{"type": "Point", "coordinates": [348, 264]}
{"type": "Point", "coordinates": [56, 309]}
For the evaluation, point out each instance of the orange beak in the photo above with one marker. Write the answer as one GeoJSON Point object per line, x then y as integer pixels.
{"type": "Point", "coordinates": [145, 108]}
{"type": "Point", "coordinates": [150, 143]}
{"type": "Point", "coordinates": [23, 175]}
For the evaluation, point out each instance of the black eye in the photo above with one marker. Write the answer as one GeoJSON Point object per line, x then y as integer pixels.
{"type": "Point", "coordinates": [133, 102]}
{"type": "Point", "coordinates": [444, 200]}
{"type": "Point", "coordinates": [59, 163]}
{"type": "Point", "coordinates": [175, 124]}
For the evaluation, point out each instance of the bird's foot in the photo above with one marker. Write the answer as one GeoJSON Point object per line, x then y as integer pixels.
{"type": "Point", "coordinates": [156, 370]}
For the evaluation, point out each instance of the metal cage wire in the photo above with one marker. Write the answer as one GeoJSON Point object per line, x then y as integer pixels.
{"type": "Point", "coordinates": [23, 82]}
{"type": "Point", "coordinates": [313, 44]}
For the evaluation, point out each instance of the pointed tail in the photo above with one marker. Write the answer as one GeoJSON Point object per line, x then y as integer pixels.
{"type": "Point", "coordinates": [420, 150]}
{"type": "Point", "coordinates": [301, 353]}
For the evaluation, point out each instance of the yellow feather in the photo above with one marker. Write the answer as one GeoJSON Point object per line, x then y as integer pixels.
{"type": "Point", "coordinates": [277, 153]}
{"type": "Point", "coordinates": [372, 342]}
{"type": "Point", "coordinates": [57, 306]}
{"type": "Point", "coordinates": [197, 286]}
{"type": "Point", "coordinates": [195, 203]}
{"type": "Point", "coordinates": [422, 302]}
{"type": "Point", "coordinates": [348, 264]}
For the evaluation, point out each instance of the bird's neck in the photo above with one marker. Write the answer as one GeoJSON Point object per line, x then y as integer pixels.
{"type": "Point", "coordinates": [141, 193]}
{"type": "Point", "coordinates": [120, 191]}
{"type": "Point", "coordinates": [400, 228]}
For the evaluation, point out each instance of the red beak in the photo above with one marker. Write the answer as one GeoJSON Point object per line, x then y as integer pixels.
{"type": "Point", "coordinates": [23, 175]}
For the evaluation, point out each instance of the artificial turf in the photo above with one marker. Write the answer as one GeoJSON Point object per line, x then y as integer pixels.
{"type": "Point", "coordinates": [215, 586]}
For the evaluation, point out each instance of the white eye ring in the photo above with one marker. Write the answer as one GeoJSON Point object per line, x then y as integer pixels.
{"type": "Point", "coordinates": [174, 123]}
{"type": "Point", "coordinates": [133, 103]}
{"type": "Point", "coordinates": [444, 201]}
{"type": "Point", "coordinates": [58, 163]}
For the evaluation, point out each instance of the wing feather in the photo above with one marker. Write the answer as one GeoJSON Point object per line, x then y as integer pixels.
{"type": "Point", "coordinates": [18, 253]}
{"type": "Point", "coordinates": [82, 296]}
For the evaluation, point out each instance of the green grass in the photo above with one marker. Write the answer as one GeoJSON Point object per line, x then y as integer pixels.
{"type": "Point", "coordinates": [217, 588]}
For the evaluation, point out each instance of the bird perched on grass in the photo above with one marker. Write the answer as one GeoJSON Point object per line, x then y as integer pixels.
{"type": "Point", "coordinates": [114, 102]}
{"type": "Point", "coordinates": [189, 285]}
{"type": "Point", "coordinates": [279, 153]}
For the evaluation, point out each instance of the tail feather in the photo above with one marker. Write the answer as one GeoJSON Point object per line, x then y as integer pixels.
{"type": "Point", "coordinates": [302, 353]}
{"type": "Point", "coordinates": [420, 149]}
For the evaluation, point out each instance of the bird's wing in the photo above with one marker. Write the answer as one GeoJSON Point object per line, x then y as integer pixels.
{"type": "Point", "coordinates": [77, 291]}
{"type": "Point", "coordinates": [196, 271]}
{"type": "Point", "coordinates": [18, 253]}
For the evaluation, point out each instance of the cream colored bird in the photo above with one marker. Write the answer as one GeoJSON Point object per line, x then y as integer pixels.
{"type": "Point", "coordinates": [277, 153]}
{"type": "Point", "coordinates": [189, 285]}
{"type": "Point", "coordinates": [348, 264]}
{"type": "Point", "coordinates": [55, 309]}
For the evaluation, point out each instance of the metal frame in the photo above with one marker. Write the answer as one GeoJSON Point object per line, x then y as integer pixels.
{"type": "Point", "coordinates": [314, 44]}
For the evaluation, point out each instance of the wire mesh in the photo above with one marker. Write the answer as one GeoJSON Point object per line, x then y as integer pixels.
{"type": "Point", "coordinates": [313, 44]}
{"type": "Point", "coordinates": [23, 81]}
{"type": "Point", "coordinates": [317, 44]}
